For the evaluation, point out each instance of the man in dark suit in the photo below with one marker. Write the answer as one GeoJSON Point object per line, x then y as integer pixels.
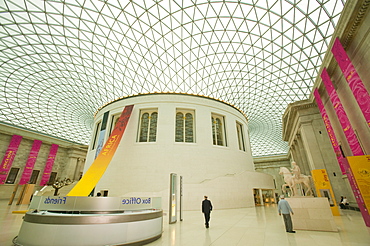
{"type": "Point", "coordinates": [206, 209]}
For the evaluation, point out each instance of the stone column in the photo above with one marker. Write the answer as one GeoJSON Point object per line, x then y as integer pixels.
{"type": "Point", "coordinates": [79, 168]}
{"type": "Point", "coordinates": [295, 153]}
{"type": "Point", "coordinates": [311, 147]}
{"type": "Point", "coordinates": [75, 163]}
{"type": "Point", "coordinates": [70, 167]}
{"type": "Point", "coordinates": [303, 164]}
{"type": "Point", "coordinates": [261, 197]}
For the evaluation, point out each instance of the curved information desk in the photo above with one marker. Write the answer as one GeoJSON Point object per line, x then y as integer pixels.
{"type": "Point", "coordinates": [89, 223]}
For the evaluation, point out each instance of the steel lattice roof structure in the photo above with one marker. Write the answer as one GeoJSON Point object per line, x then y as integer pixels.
{"type": "Point", "coordinates": [62, 60]}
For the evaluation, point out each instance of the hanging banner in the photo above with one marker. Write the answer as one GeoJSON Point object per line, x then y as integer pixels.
{"type": "Point", "coordinates": [343, 162]}
{"type": "Point", "coordinates": [360, 166]}
{"type": "Point", "coordinates": [354, 81]}
{"type": "Point", "coordinates": [329, 129]}
{"type": "Point", "coordinates": [49, 164]}
{"type": "Point", "coordinates": [102, 133]}
{"type": "Point", "coordinates": [341, 114]}
{"type": "Point", "coordinates": [323, 188]}
{"type": "Point", "coordinates": [27, 171]}
{"type": "Point", "coordinates": [10, 153]}
{"type": "Point", "coordinates": [100, 164]}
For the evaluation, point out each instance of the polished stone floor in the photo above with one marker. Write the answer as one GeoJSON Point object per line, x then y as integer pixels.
{"type": "Point", "coordinates": [228, 227]}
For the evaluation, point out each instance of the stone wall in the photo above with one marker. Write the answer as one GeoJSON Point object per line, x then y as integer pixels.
{"type": "Point", "coordinates": [69, 160]}
{"type": "Point", "coordinates": [303, 127]}
{"type": "Point", "coordinates": [310, 146]}
{"type": "Point", "coordinates": [271, 165]}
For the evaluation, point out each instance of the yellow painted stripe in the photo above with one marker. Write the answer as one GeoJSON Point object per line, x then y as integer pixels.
{"type": "Point", "coordinates": [100, 164]}
{"type": "Point", "coordinates": [19, 211]}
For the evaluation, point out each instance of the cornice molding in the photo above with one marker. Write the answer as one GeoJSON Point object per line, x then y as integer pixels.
{"type": "Point", "coordinates": [351, 31]}
{"type": "Point", "coordinates": [346, 28]}
{"type": "Point", "coordinates": [290, 116]}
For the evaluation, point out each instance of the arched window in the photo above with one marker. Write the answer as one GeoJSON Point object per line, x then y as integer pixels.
{"type": "Point", "coordinates": [184, 126]}
{"type": "Point", "coordinates": [148, 126]}
{"type": "Point", "coordinates": [218, 130]}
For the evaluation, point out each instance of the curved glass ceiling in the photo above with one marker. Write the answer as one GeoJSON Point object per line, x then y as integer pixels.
{"type": "Point", "coordinates": [61, 60]}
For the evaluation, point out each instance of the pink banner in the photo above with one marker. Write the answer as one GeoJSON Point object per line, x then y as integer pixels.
{"type": "Point", "coordinates": [26, 175]}
{"type": "Point", "coordinates": [9, 157]}
{"type": "Point", "coordinates": [343, 162]}
{"type": "Point", "coordinates": [342, 116]}
{"type": "Point", "coordinates": [330, 131]}
{"type": "Point", "coordinates": [49, 164]}
{"type": "Point", "coordinates": [353, 79]}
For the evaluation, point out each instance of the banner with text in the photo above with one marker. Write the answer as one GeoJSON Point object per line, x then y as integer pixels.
{"type": "Point", "coordinates": [323, 188]}
{"type": "Point", "coordinates": [102, 133]}
{"type": "Point", "coordinates": [26, 175]}
{"type": "Point", "coordinates": [353, 79]}
{"type": "Point", "coordinates": [343, 162]}
{"type": "Point", "coordinates": [360, 166]}
{"type": "Point", "coordinates": [10, 153]}
{"type": "Point", "coordinates": [341, 114]}
{"type": "Point", "coordinates": [100, 164]}
{"type": "Point", "coordinates": [330, 131]}
{"type": "Point", "coordinates": [49, 164]}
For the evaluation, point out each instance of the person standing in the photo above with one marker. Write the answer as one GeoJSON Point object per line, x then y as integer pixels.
{"type": "Point", "coordinates": [206, 210]}
{"type": "Point", "coordinates": [285, 209]}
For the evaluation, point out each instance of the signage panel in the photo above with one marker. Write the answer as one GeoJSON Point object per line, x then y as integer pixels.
{"type": "Point", "coordinates": [343, 162]}
{"type": "Point", "coordinates": [360, 166]}
{"type": "Point", "coordinates": [341, 114]}
{"type": "Point", "coordinates": [49, 164]}
{"type": "Point", "coordinates": [353, 79]}
{"type": "Point", "coordinates": [26, 175]}
{"type": "Point", "coordinates": [331, 133]}
{"type": "Point", "coordinates": [324, 189]}
{"type": "Point", "coordinates": [73, 203]}
{"type": "Point", "coordinates": [9, 155]}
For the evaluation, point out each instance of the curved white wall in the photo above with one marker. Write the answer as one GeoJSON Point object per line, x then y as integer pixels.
{"type": "Point", "coordinates": [139, 168]}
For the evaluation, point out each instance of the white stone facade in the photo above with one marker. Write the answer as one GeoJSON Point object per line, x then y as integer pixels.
{"type": "Point", "coordinates": [224, 173]}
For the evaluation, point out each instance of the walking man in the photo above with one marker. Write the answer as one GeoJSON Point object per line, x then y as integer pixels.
{"type": "Point", "coordinates": [285, 209]}
{"type": "Point", "coordinates": [206, 210]}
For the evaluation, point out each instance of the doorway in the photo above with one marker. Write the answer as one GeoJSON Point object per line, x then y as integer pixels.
{"type": "Point", "coordinates": [263, 197]}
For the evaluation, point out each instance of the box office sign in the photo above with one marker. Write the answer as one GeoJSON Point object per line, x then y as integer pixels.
{"type": "Point", "coordinates": [70, 203]}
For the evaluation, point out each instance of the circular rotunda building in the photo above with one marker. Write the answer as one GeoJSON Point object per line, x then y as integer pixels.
{"type": "Point", "coordinates": [201, 139]}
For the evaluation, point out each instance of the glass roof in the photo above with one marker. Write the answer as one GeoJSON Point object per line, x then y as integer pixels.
{"type": "Point", "coordinates": [62, 60]}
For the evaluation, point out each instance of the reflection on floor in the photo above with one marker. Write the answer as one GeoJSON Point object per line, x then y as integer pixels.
{"type": "Point", "coordinates": [230, 227]}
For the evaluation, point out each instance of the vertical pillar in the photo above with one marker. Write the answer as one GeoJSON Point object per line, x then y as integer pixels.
{"type": "Point", "coordinates": [304, 164]}
{"type": "Point", "coordinates": [261, 197]}
{"type": "Point", "coordinates": [296, 154]}
{"type": "Point", "coordinates": [70, 167]}
{"type": "Point", "coordinates": [354, 81]}
{"type": "Point", "coordinates": [343, 163]}
{"type": "Point", "coordinates": [342, 115]}
{"type": "Point", "coordinates": [311, 147]}
{"type": "Point", "coordinates": [79, 168]}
